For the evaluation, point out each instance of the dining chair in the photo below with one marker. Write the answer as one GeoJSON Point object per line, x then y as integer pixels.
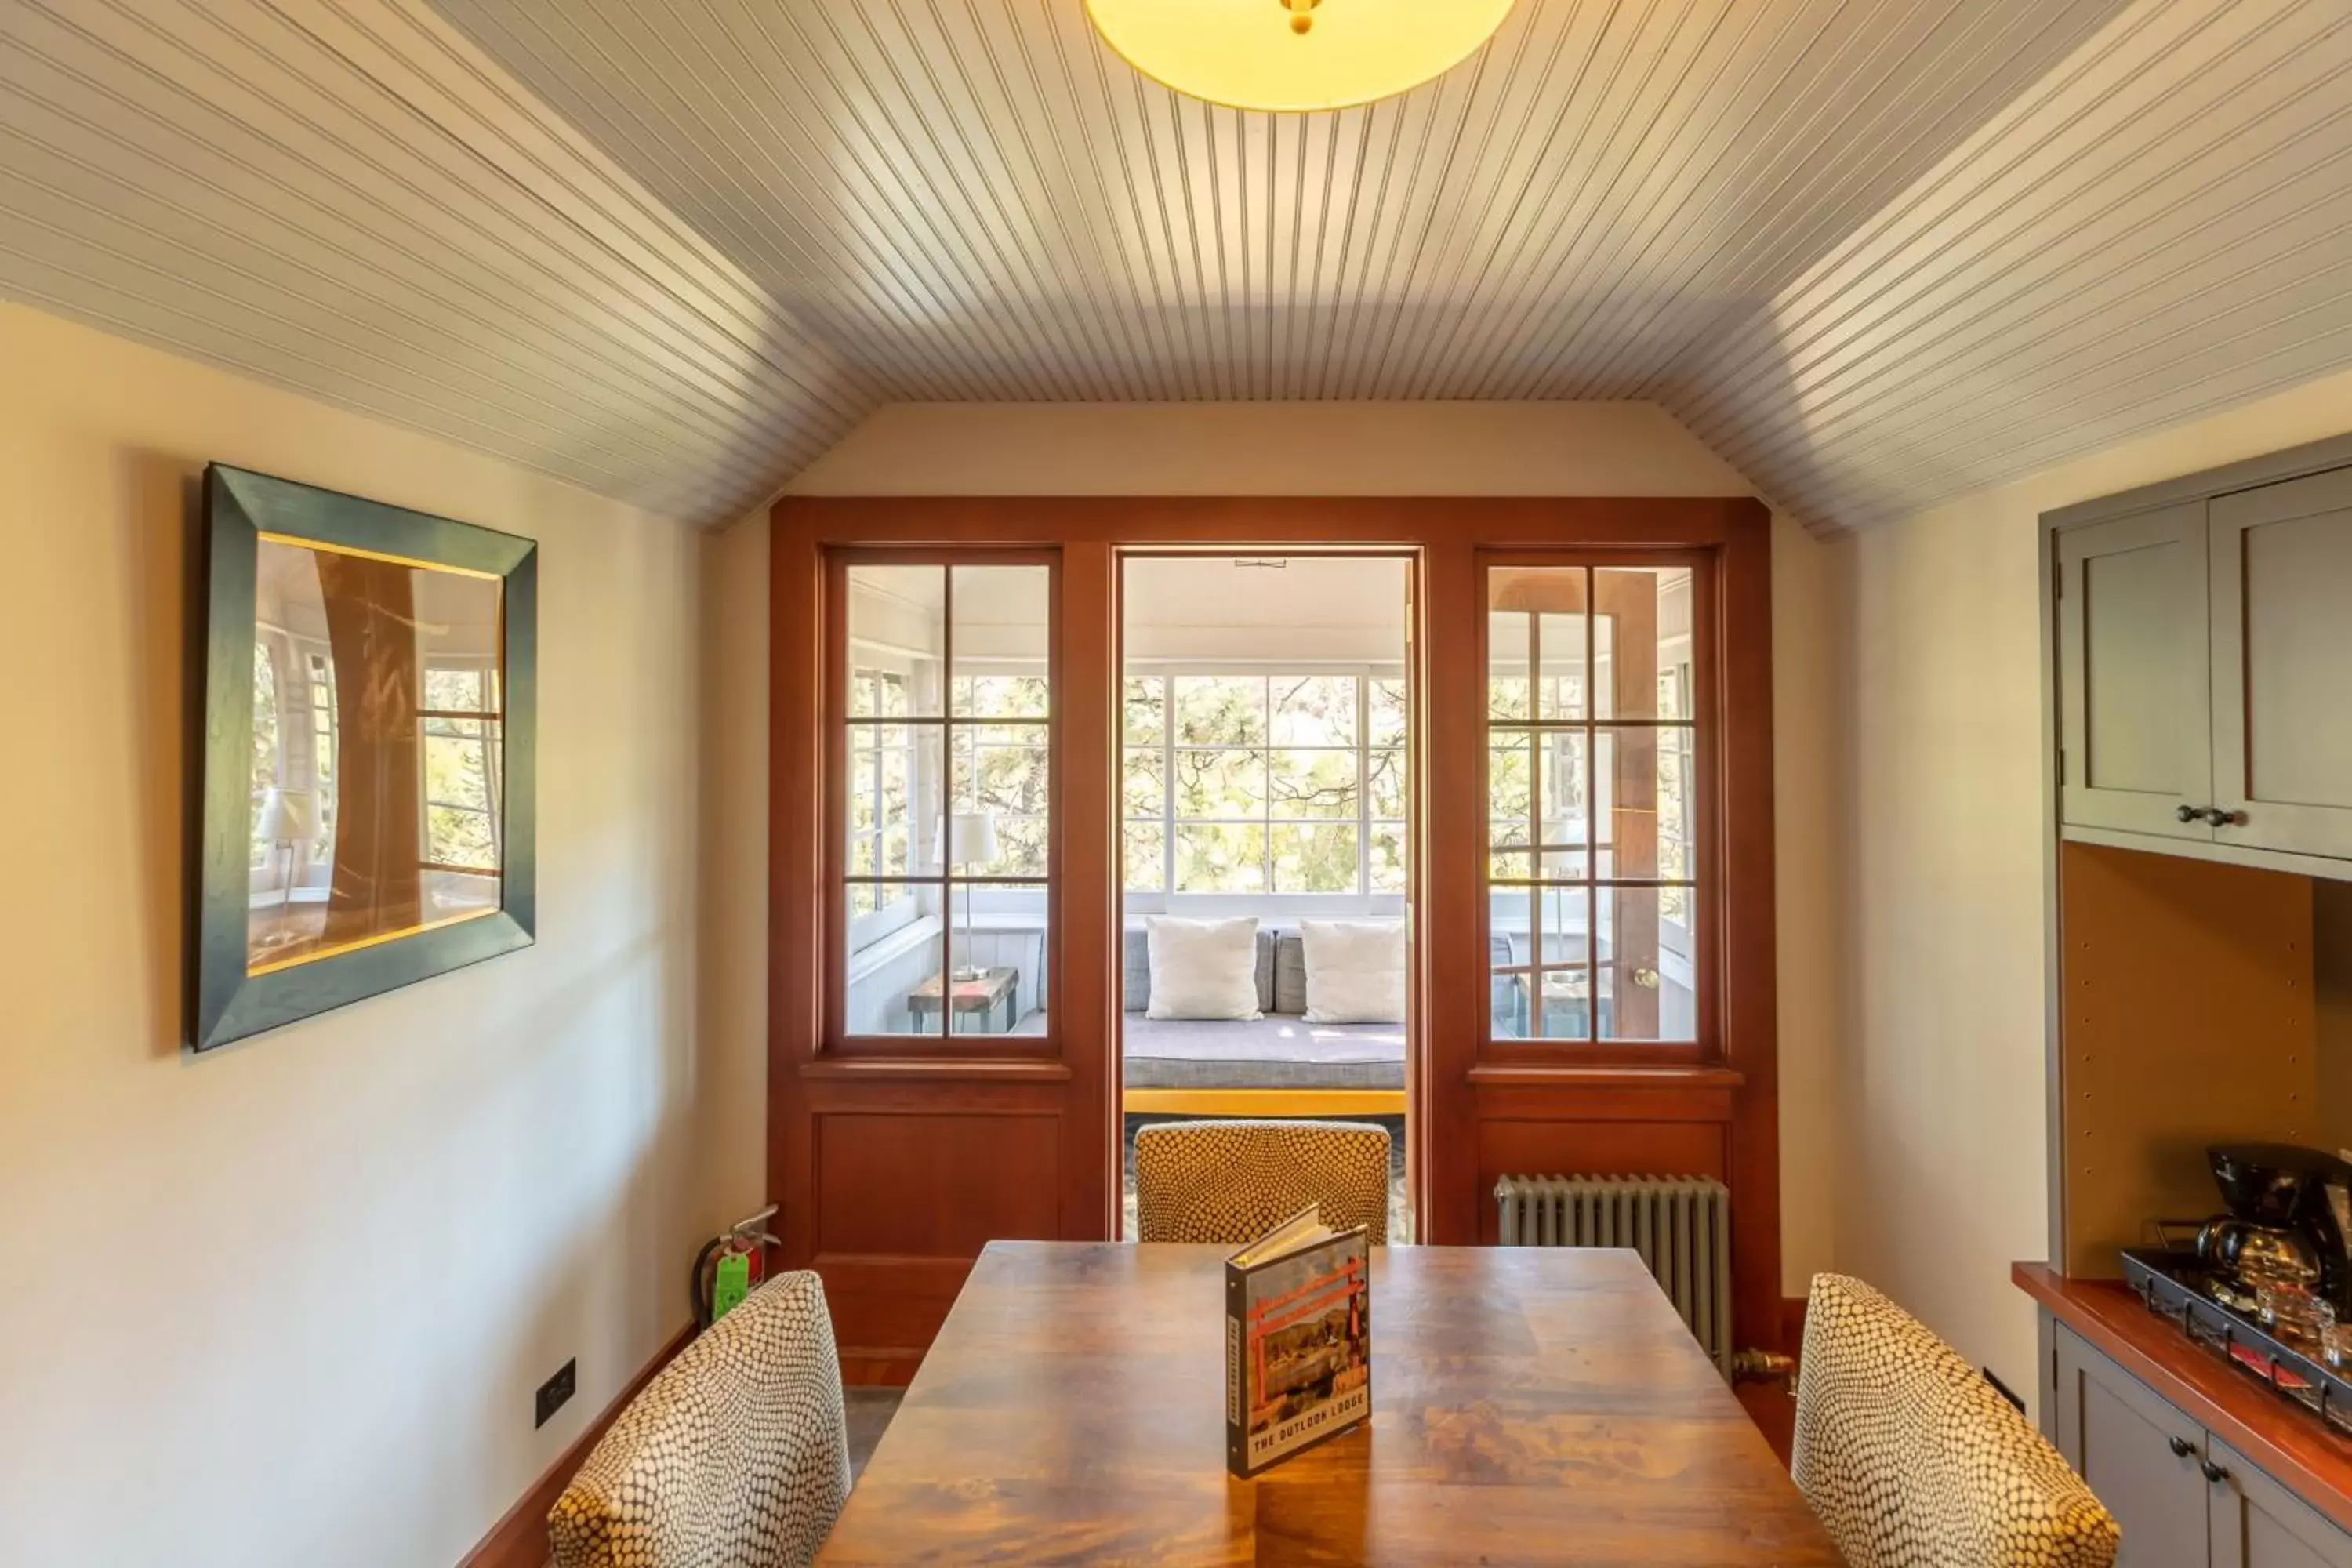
{"type": "Point", "coordinates": [1232, 1181]}
{"type": "Point", "coordinates": [1911, 1460]}
{"type": "Point", "coordinates": [735, 1456]}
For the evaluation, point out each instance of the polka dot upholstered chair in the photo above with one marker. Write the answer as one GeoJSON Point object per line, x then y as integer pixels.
{"type": "Point", "coordinates": [735, 1456]}
{"type": "Point", "coordinates": [1913, 1461]}
{"type": "Point", "coordinates": [1232, 1181]}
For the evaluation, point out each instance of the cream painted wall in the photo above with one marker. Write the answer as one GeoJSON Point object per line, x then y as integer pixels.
{"type": "Point", "coordinates": [1936, 671]}
{"type": "Point", "coordinates": [732, 938]}
{"type": "Point", "coordinates": [1269, 448]}
{"type": "Point", "coordinates": [288, 1304]}
{"type": "Point", "coordinates": [1442, 449]}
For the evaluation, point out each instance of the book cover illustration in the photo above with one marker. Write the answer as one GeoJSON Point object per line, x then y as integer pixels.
{"type": "Point", "coordinates": [1298, 1341]}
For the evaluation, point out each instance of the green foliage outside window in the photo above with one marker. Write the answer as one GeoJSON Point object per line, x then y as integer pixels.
{"type": "Point", "coordinates": [1287, 784]}
{"type": "Point", "coordinates": [265, 742]}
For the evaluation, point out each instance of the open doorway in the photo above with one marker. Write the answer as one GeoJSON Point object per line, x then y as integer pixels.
{"type": "Point", "coordinates": [1265, 807]}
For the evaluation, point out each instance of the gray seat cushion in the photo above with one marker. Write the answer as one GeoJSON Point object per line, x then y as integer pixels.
{"type": "Point", "coordinates": [1274, 1052]}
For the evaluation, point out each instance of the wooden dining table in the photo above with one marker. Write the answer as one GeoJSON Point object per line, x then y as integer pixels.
{"type": "Point", "coordinates": [1530, 1405]}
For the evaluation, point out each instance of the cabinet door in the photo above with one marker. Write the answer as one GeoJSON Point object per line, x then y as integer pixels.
{"type": "Point", "coordinates": [2140, 1455]}
{"type": "Point", "coordinates": [2282, 659]}
{"type": "Point", "coordinates": [2135, 736]}
{"type": "Point", "coordinates": [2258, 1523]}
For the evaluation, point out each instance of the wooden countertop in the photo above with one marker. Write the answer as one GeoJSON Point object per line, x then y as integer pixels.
{"type": "Point", "coordinates": [2299, 1450]}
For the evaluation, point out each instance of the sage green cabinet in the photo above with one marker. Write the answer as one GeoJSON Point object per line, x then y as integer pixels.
{"type": "Point", "coordinates": [2254, 1522]}
{"type": "Point", "coordinates": [2280, 567]}
{"type": "Point", "coordinates": [2184, 1498]}
{"type": "Point", "coordinates": [2204, 673]}
{"type": "Point", "coordinates": [2139, 1455]}
{"type": "Point", "coordinates": [2137, 743]}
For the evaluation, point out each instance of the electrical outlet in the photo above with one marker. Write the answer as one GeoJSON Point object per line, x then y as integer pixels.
{"type": "Point", "coordinates": [556, 1389]}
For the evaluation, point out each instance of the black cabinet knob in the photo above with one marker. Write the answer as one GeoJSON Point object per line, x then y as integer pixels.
{"type": "Point", "coordinates": [2181, 1447]}
{"type": "Point", "coordinates": [2221, 818]}
{"type": "Point", "coordinates": [2188, 813]}
{"type": "Point", "coordinates": [2215, 1473]}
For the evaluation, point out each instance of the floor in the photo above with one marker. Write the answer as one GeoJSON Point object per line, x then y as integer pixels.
{"type": "Point", "coordinates": [871, 1410]}
{"type": "Point", "coordinates": [1400, 1199]}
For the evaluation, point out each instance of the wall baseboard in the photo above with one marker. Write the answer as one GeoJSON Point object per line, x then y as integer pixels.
{"type": "Point", "coordinates": [520, 1540]}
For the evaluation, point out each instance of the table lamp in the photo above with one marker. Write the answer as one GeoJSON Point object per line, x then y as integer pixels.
{"type": "Point", "coordinates": [969, 838]}
{"type": "Point", "coordinates": [285, 819]}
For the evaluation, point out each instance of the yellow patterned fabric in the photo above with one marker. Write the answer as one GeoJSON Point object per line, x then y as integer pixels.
{"type": "Point", "coordinates": [735, 1456]}
{"type": "Point", "coordinates": [1912, 1459]}
{"type": "Point", "coordinates": [1232, 1181]}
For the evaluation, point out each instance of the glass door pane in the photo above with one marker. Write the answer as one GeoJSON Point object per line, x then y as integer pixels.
{"type": "Point", "coordinates": [1591, 854]}
{"type": "Point", "coordinates": [947, 799]}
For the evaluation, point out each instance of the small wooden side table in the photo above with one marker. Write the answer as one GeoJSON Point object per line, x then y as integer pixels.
{"type": "Point", "coordinates": [974, 1000]}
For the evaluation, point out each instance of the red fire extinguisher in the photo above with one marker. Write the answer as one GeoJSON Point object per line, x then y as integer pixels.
{"type": "Point", "coordinates": [729, 1266]}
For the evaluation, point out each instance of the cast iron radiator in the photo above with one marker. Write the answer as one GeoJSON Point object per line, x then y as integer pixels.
{"type": "Point", "coordinates": [1680, 1225]}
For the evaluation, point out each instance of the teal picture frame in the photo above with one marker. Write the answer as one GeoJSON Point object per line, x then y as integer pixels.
{"type": "Point", "coordinates": [240, 507]}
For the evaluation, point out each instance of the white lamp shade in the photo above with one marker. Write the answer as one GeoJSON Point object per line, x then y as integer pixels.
{"type": "Point", "coordinates": [285, 815]}
{"type": "Point", "coordinates": [969, 837]}
{"type": "Point", "coordinates": [1283, 56]}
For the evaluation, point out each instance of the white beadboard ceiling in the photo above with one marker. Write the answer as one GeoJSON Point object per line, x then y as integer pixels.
{"type": "Point", "coordinates": [1875, 252]}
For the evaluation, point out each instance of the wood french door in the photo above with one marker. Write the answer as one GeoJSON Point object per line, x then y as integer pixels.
{"type": "Point", "coordinates": [896, 1155]}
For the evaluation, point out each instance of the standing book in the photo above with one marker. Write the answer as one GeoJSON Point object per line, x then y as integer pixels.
{"type": "Point", "coordinates": [1298, 1341]}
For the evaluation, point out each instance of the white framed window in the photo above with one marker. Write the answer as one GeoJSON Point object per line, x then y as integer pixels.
{"type": "Point", "coordinates": [1675, 762]}
{"type": "Point", "coordinates": [460, 756]}
{"type": "Point", "coordinates": [882, 787]}
{"type": "Point", "coordinates": [267, 751]}
{"type": "Point", "coordinates": [319, 688]}
{"type": "Point", "coordinates": [1266, 784]}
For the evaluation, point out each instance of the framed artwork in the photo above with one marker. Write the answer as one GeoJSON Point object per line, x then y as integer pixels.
{"type": "Point", "coordinates": [368, 751]}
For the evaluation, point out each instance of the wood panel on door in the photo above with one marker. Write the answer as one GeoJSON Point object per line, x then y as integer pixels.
{"type": "Point", "coordinates": [892, 1166]}
{"type": "Point", "coordinates": [2280, 562]}
{"type": "Point", "coordinates": [2133, 700]}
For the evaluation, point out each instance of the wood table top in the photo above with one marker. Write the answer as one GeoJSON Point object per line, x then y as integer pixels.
{"type": "Point", "coordinates": [1530, 1405]}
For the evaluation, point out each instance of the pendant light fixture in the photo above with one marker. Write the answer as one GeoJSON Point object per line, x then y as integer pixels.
{"type": "Point", "coordinates": [1295, 54]}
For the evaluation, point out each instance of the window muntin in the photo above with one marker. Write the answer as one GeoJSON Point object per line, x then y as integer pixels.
{"type": "Point", "coordinates": [424, 761]}
{"type": "Point", "coordinates": [323, 753]}
{"type": "Point", "coordinates": [946, 799]}
{"type": "Point", "coordinates": [1591, 854]}
{"type": "Point", "coordinates": [463, 783]}
{"type": "Point", "coordinates": [265, 763]}
{"type": "Point", "coordinates": [1285, 782]}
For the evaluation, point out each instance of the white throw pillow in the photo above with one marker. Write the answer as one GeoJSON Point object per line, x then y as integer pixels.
{"type": "Point", "coordinates": [1355, 971]}
{"type": "Point", "coordinates": [1202, 969]}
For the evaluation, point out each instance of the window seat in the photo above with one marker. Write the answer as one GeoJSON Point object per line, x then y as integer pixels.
{"type": "Point", "coordinates": [1278, 1051]}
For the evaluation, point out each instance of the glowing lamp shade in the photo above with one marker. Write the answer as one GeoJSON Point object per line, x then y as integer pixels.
{"type": "Point", "coordinates": [1295, 54]}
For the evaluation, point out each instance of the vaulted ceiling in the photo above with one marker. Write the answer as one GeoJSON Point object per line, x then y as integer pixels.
{"type": "Point", "coordinates": [1875, 252]}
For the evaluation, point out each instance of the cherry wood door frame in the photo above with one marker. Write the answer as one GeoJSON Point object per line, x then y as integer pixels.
{"type": "Point", "coordinates": [892, 1170]}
